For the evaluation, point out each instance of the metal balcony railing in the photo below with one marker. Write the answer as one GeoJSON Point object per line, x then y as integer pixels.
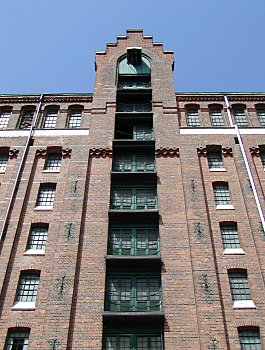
{"type": "Point", "coordinates": [134, 85]}
{"type": "Point", "coordinates": [134, 163]}
{"type": "Point", "coordinates": [124, 302]}
{"type": "Point", "coordinates": [134, 107]}
{"type": "Point", "coordinates": [132, 199]}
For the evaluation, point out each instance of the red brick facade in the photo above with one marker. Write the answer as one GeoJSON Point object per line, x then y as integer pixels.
{"type": "Point", "coordinates": [196, 310]}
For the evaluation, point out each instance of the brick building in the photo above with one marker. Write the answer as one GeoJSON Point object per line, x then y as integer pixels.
{"type": "Point", "coordinates": [132, 218]}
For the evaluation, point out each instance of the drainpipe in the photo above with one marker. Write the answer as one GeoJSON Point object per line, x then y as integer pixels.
{"type": "Point", "coordinates": [246, 162]}
{"type": "Point", "coordinates": [22, 161]}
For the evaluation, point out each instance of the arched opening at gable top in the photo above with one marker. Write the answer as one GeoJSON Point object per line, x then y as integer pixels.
{"type": "Point", "coordinates": [134, 76]}
{"type": "Point", "coordinates": [125, 68]}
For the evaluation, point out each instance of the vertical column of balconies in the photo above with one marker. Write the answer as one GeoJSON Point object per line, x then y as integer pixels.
{"type": "Point", "coordinates": [133, 313]}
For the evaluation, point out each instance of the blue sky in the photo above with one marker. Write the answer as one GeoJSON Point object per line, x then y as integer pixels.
{"type": "Point", "coordinates": [49, 46]}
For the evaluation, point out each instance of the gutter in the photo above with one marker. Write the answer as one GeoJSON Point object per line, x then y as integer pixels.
{"type": "Point", "coordinates": [234, 125]}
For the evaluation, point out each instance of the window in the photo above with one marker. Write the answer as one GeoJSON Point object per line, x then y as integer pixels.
{"type": "Point", "coordinates": [17, 340]}
{"type": "Point", "coordinates": [134, 198]}
{"type": "Point", "coordinates": [142, 132]}
{"type": "Point", "coordinates": [229, 235]}
{"type": "Point", "coordinates": [217, 116]}
{"type": "Point", "coordinates": [238, 280]}
{"type": "Point", "coordinates": [4, 119]}
{"type": "Point", "coordinates": [240, 116]}
{"type": "Point", "coordinates": [134, 163]}
{"type": "Point", "coordinates": [133, 241]}
{"type": "Point", "coordinates": [221, 193]}
{"type": "Point", "coordinates": [215, 159]}
{"type": "Point", "coordinates": [133, 342]}
{"type": "Point", "coordinates": [3, 162]}
{"type": "Point", "coordinates": [249, 338]}
{"type": "Point", "coordinates": [262, 158]}
{"type": "Point", "coordinates": [261, 114]}
{"type": "Point", "coordinates": [37, 237]}
{"type": "Point", "coordinates": [193, 117]}
{"type": "Point", "coordinates": [75, 118]}
{"type": "Point", "coordinates": [53, 161]}
{"type": "Point", "coordinates": [46, 195]}
{"type": "Point", "coordinates": [26, 118]}
{"type": "Point", "coordinates": [50, 119]}
{"type": "Point", "coordinates": [133, 293]}
{"type": "Point", "coordinates": [27, 290]}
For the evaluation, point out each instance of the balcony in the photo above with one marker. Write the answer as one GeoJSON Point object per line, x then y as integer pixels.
{"type": "Point", "coordinates": [124, 241]}
{"type": "Point", "coordinates": [133, 294]}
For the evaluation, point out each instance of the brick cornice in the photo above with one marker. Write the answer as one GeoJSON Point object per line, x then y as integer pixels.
{"type": "Point", "coordinates": [72, 99]}
{"type": "Point", "coordinates": [13, 153]}
{"type": "Point", "coordinates": [226, 151]}
{"type": "Point", "coordinates": [199, 98]}
{"type": "Point", "coordinates": [54, 98]}
{"type": "Point", "coordinates": [202, 151]}
{"type": "Point", "coordinates": [100, 153]}
{"type": "Point", "coordinates": [164, 152]}
{"type": "Point", "coordinates": [66, 152]}
{"type": "Point", "coordinates": [255, 151]}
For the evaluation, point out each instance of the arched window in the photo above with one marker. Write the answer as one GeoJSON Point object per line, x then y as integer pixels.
{"type": "Point", "coordinates": [5, 113]}
{"type": "Point", "coordinates": [239, 112]}
{"type": "Point", "coordinates": [50, 117]}
{"type": "Point", "coordinates": [192, 113]}
{"type": "Point", "coordinates": [26, 117]}
{"type": "Point", "coordinates": [216, 113]}
{"type": "Point", "coordinates": [134, 76]}
{"type": "Point", "coordinates": [260, 108]}
{"type": "Point", "coordinates": [221, 194]}
{"type": "Point", "coordinates": [249, 338]}
{"type": "Point", "coordinates": [124, 68]}
{"type": "Point", "coordinates": [74, 116]}
{"type": "Point", "coordinates": [17, 338]}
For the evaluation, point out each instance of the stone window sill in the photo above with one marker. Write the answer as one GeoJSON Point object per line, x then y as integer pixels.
{"type": "Point", "coordinates": [225, 206]}
{"type": "Point", "coordinates": [44, 208]}
{"type": "Point", "coordinates": [50, 171]}
{"type": "Point", "coordinates": [234, 251]}
{"type": "Point", "coordinates": [217, 169]}
{"type": "Point", "coordinates": [244, 304]}
{"type": "Point", "coordinates": [34, 252]}
{"type": "Point", "coordinates": [24, 305]}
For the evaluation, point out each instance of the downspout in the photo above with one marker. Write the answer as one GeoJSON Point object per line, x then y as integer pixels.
{"type": "Point", "coordinates": [246, 162]}
{"type": "Point", "coordinates": [29, 136]}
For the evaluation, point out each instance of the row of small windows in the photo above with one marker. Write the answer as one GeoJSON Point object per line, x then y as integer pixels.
{"type": "Point", "coordinates": [249, 339]}
{"type": "Point", "coordinates": [132, 293]}
{"type": "Point", "coordinates": [75, 115]}
{"type": "Point", "coordinates": [49, 119]}
{"type": "Point", "coordinates": [217, 118]}
{"type": "Point", "coordinates": [145, 241]}
{"type": "Point", "coordinates": [131, 240]}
